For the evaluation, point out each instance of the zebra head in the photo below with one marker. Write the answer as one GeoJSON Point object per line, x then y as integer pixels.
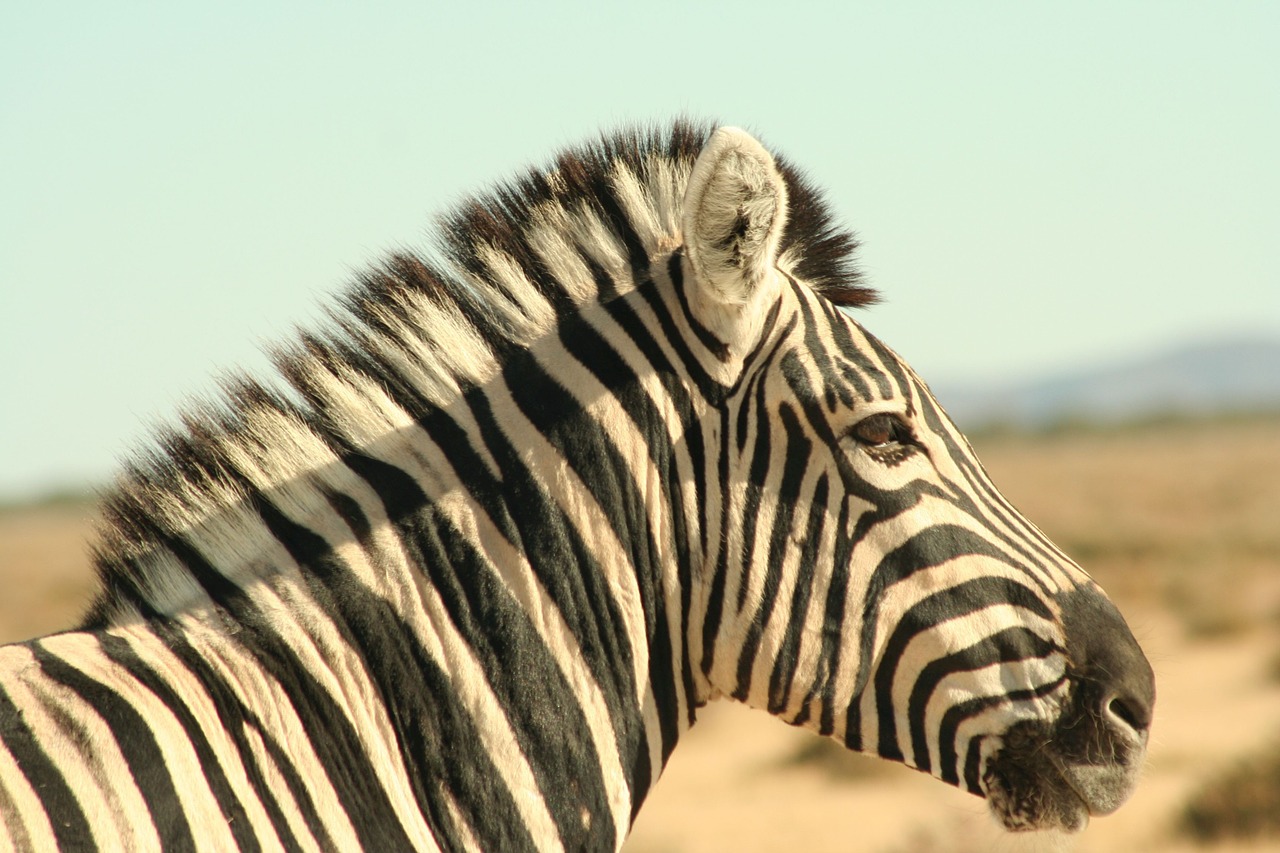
{"type": "Point", "coordinates": [868, 581]}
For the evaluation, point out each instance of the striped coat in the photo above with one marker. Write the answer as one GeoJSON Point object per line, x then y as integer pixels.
{"type": "Point", "coordinates": [523, 510]}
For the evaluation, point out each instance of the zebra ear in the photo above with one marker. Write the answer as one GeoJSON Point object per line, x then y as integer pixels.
{"type": "Point", "coordinates": [735, 207]}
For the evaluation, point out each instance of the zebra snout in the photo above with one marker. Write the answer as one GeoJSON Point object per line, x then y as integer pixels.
{"type": "Point", "coordinates": [1086, 762]}
{"type": "Point", "coordinates": [1114, 683]}
{"type": "Point", "coordinates": [1102, 738]}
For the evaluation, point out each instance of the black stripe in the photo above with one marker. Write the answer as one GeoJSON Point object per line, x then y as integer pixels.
{"type": "Point", "coordinates": [13, 820]}
{"type": "Point", "coordinates": [836, 367]}
{"type": "Point", "coordinates": [930, 547]}
{"type": "Point", "coordinates": [796, 462]}
{"type": "Point", "coordinates": [890, 364]}
{"type": "Point", "coordinates": [979, 499]}
{"type": "Point", "coordinates": [234, 718]}
{"type": "Point", "coordinates": [944, 605]}
{"type": "Point", "coordinates": [705, 386]}
{"type": "Point", "coordinates": [784, 666]}
{"type": "Point", "coordinates": [339, 749]}
{"type": "Point", "coordinates": [553, 543]}
{"type": "Point", "coordinates": [526, 681]}
{"type": "Point", "coordinates": [132, 733]}
{"type": "Point", "coordinates": [709, 341]}
{"type": "Point", "coordinates": [606, 287]}
{"type": "Point", "coordinates": [70, 826]}
{"type": "Point", "coordinates": [713, 609]}
{"type": "Point", "coordinates": [348, 509]}
{"type": "Point", "coordinates": [955, 717]}
{"type": "Point", "coordinates": [1007, 646]}
{"type": "Point", "coordinates": [598, 356]}
{"type": "Point", "coordinates": [834, 629]}
{"type": "Point", "coordinates": [972, 762]}
{"type": "Point", "coordinates": [418, 699]}
{"type": "Point", "coordinates": [757, 482]}
{"type": "Point", "coordinates": [605, 196]}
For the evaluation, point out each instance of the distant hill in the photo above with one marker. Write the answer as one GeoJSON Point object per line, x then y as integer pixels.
{"type": "Point", "coordinates": [1241, 375]}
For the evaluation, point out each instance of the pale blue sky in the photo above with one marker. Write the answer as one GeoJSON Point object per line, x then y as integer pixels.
{"type": "Point", "coordinates": [1038, 185]}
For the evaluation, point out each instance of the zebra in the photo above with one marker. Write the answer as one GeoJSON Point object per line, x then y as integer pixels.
{"type": "Point", "coordinates": [464, 575]}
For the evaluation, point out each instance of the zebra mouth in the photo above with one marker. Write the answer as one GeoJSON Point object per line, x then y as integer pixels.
{"type": "Point", "coordinates": [1033, 784]}
{"type": "Point", "coordinates": [1026, 787]}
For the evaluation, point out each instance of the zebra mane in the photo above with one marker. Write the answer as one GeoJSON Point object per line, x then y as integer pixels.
{"type": "Point", "coordinates": [411, 335]}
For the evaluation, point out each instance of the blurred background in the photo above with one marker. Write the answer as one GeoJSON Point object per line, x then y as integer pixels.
{"type": "Point", "coordinates": [1071, 212]}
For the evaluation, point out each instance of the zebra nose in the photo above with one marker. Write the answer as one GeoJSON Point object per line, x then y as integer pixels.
{"type": "Point", "coordinates": [1106, 657]}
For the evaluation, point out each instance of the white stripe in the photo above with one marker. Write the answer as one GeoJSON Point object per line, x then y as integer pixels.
{"type": "Point", "coordinates": [34, 820]}
{"type": "Point", "coordinates": [510, 565]}
{"type": "Point", "coordinates": [998, 679]}
{"type": "Point", "coordinates": [468, 836]}
{"type": "Point", "coordinates": [775, 631]}
{"type": "Point", "coordinates": [394, 579]}
{"type": "Point", "coordinates": [279, 790]}
{"type": "Point", "coordinates": [548, 234]}
{"type": "Point", "coordinates": [632, 195]}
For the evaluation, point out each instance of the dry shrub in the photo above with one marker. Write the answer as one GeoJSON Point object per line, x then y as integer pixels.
{"type": "Point", "coordinates": [835, 761]}
{"type": "Point", "coordinates": [1241, 802]}
{"type": "Point", "coordinates": [961, 835]}
{"type": "Point", "coordinates": [1273, 667]}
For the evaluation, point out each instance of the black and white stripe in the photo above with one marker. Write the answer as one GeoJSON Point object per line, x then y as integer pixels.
{"type": "Point", "coordinates": [523, 512]}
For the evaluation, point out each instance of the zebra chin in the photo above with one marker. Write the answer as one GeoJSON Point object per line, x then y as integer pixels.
{"type": "Point", "coordinates": [1035, 783]}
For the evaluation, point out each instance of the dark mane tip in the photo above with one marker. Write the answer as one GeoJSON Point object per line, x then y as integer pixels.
{"type": "Point", "coordinates": [822, 251]}
{"type": "Point", "coordinates": [825, 251]}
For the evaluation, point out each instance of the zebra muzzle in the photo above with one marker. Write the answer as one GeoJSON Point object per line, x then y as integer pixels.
{"type": "Point", "coordinates": [1087, 762]}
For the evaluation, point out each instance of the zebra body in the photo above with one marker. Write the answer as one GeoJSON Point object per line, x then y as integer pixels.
{"type": "Point", "coordinates": [619, 454]}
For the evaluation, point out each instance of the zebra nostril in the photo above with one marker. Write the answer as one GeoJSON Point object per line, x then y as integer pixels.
{"type": "Point", "coordinates": [1128, 711]}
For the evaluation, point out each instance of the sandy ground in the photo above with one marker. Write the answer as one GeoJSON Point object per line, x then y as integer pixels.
{"type": "Point", "coordinates": [45, 575]}
{"type": "Point", "coordinates": [1181, 525]}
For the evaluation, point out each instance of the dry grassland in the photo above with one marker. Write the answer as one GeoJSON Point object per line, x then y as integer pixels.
{"type": "Point", "coordinates": [1180, 523]}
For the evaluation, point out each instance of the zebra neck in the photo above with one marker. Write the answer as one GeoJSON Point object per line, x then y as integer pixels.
{"type": "Point", "coordinates": [423, 630]}
{"type": "Point", "coordinates": [494, 567]}
{"type": "Point", "coordinates": [541, 589]}
{"type": "Point", "coordinates": [521, 553]}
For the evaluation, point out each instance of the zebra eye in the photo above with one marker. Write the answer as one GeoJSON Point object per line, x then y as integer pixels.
{"type": "Point", "coordinates": [881, 431]}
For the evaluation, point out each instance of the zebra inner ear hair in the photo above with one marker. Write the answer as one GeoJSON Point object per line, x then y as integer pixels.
{"type": "Point", "coordinates": [735, 211]}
